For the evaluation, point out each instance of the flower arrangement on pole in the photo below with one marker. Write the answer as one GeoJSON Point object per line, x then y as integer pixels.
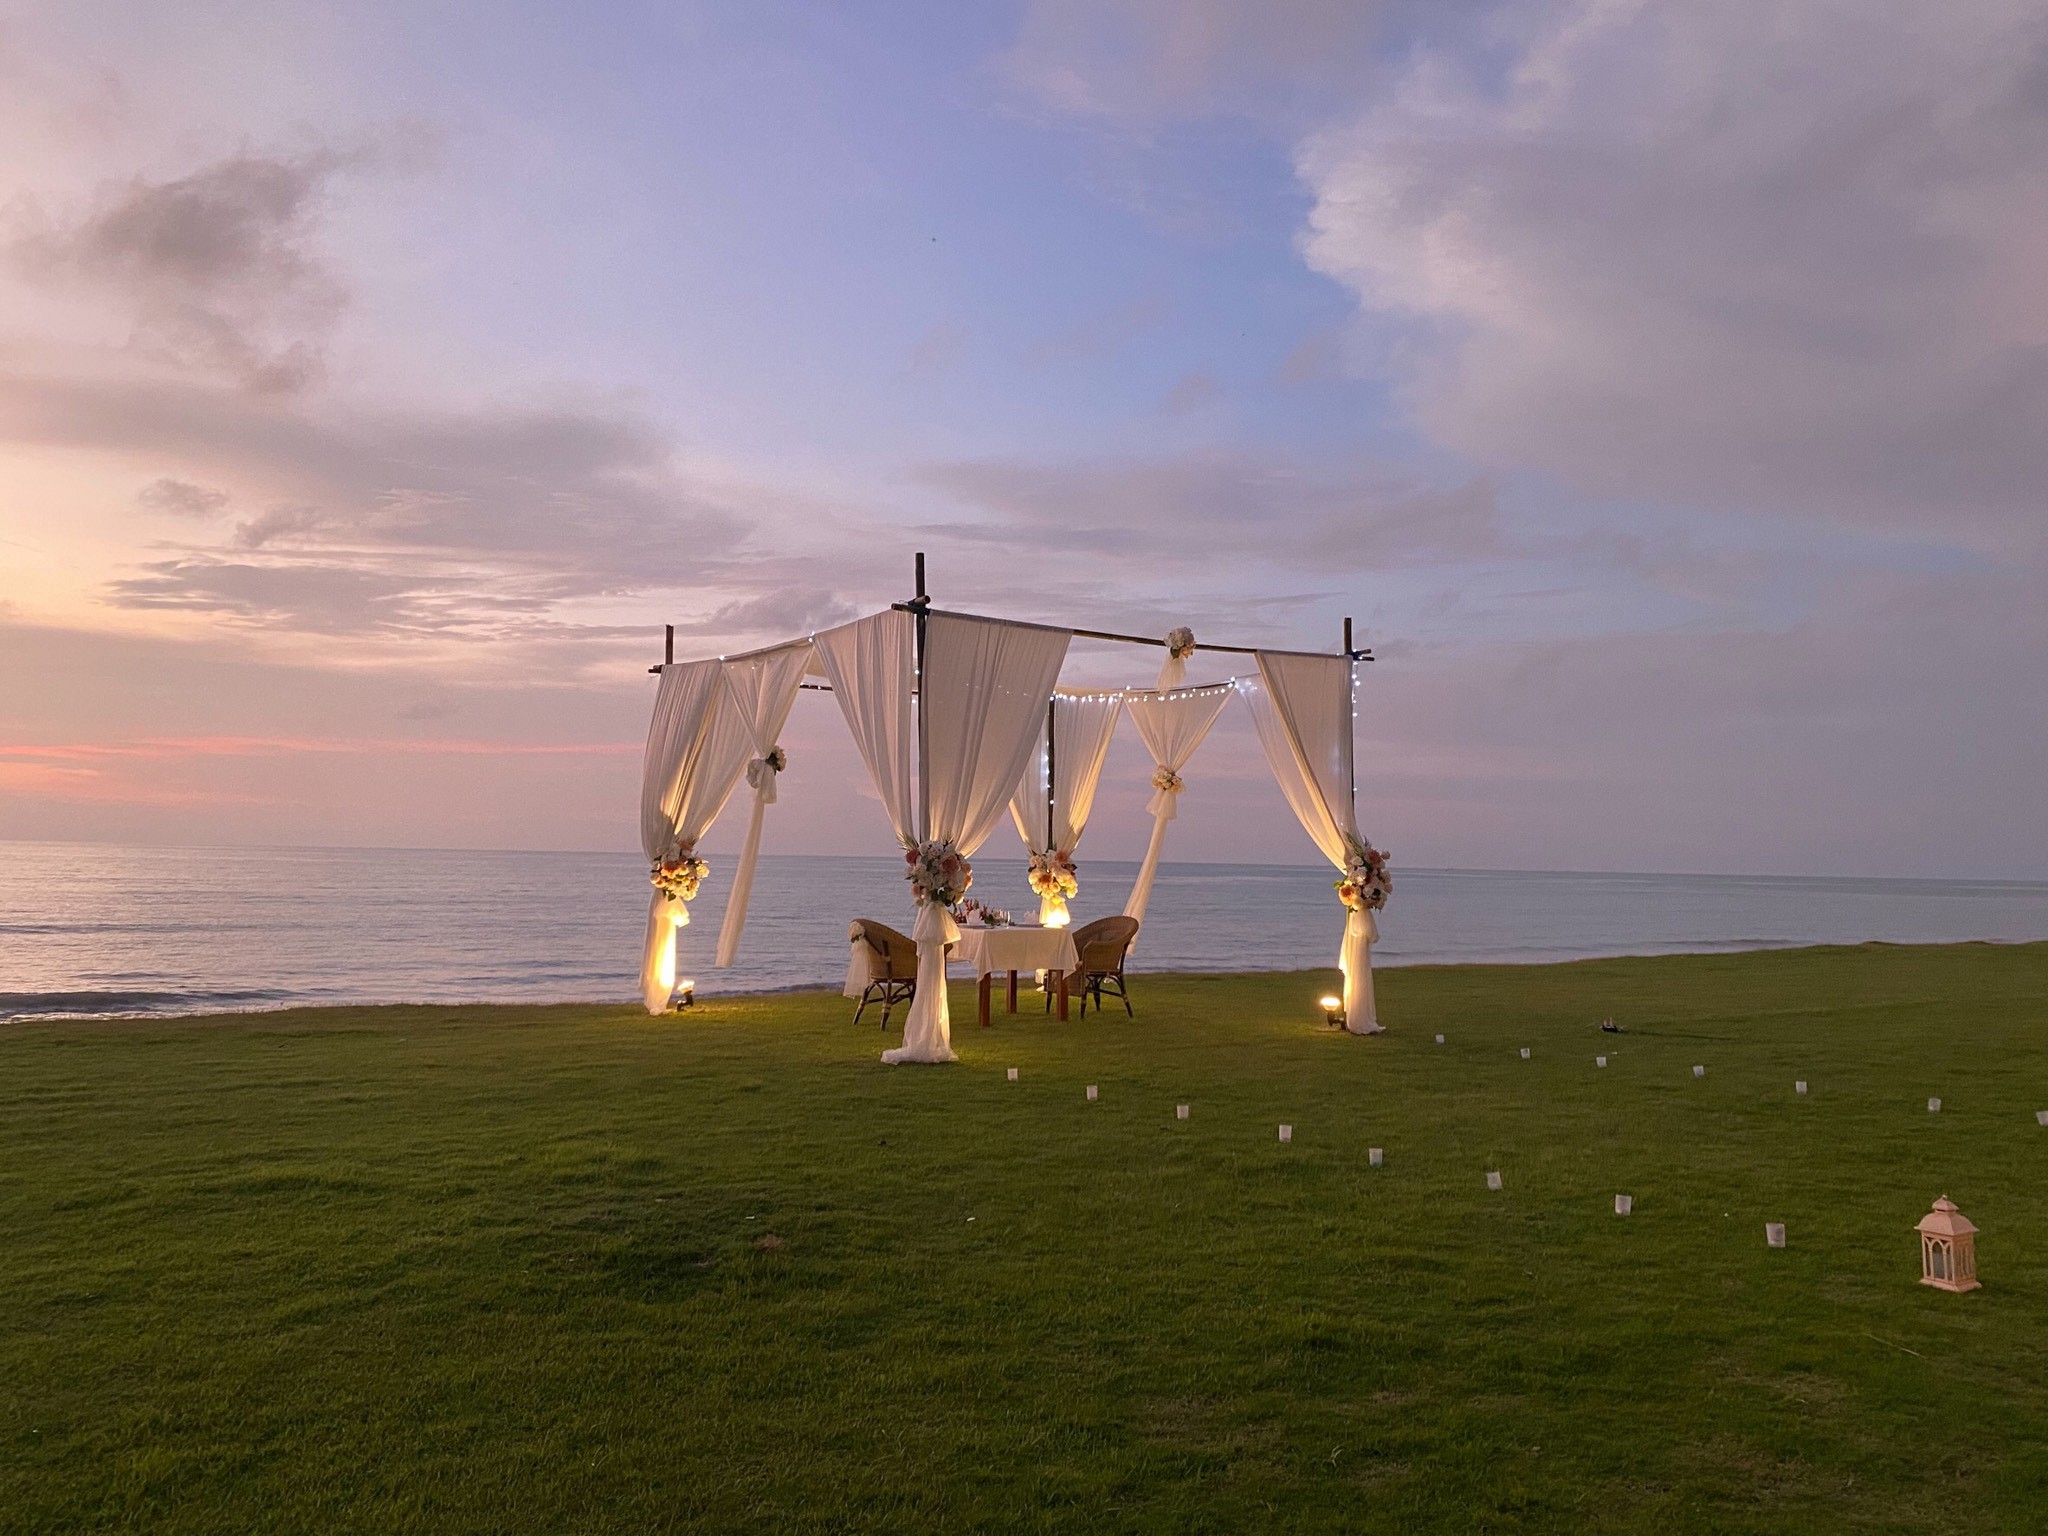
{"type": "Point", "coordinates": [1053, 880]}
{"type": "Point", "coordinates": [1180, 643]}
{"type": "Point", "coordinates": [1366, 882]}
{"type": "Point", "coordinates": [677, 874]}
{"type": "Point", "coordinates": [1166, 781]}
{"type": "Point", "coordinates": [938, 872]}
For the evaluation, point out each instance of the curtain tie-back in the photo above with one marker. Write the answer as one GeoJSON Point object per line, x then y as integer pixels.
{"type": "Point", "coordinates": [762, 772]}
{"type": "Point", "coordinates": [1166, 788]}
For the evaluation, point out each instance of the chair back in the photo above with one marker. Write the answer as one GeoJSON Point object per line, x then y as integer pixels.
{"type": "Point", "coordinates": [1103, 944]}
{"type": "Point", "coordinates": [891, 955]}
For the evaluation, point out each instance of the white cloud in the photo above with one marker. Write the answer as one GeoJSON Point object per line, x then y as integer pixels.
{"type": "Point", "coordinates": [1775, 255]}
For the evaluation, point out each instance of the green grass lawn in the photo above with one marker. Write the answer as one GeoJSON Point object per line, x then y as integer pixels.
{"type": "Point", "coordinates": [577, 1270]}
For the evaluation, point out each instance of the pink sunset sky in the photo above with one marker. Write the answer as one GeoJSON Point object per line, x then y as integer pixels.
{"type": "Point", "coordinates": [1663, 389]}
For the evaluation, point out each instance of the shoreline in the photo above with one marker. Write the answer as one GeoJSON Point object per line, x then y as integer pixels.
{"type": "Point", "coordinates": [815, 988]}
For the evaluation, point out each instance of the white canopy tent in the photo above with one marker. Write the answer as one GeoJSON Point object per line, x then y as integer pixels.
{"type": "Point", "coordinates": [957, 718]}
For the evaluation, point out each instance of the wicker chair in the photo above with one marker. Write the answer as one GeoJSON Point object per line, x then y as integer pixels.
{"type": "Point", "coordinates": [892, 966]}
{"type": "Point", "coordinates": [1102, 946]}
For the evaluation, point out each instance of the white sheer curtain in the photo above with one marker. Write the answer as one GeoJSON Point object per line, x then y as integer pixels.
{"type": "Point", "coordinates": [1302, 707]}
{"type": "Point", "coordinates": [760, 689]}
{"type": "Point", "coordinates": [695, 750]}
{"type": "Point", "coordinates": [980, 701]}
{"type": "Point", "coordinates": [870, 664]}
{"type": "Point", "coordinates": [1172, 726]}
{"type": "Point", "coordinates": [1063, 779]}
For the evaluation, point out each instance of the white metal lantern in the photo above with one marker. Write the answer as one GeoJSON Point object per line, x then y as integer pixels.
{"type": "Point", "coordinates": [1948, 1248]}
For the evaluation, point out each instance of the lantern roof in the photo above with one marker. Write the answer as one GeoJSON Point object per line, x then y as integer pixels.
{"type": "Point", "coordinates": [1946, 1221]}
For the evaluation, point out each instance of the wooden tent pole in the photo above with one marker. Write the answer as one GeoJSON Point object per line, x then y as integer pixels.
{"type": "Point", "coordinates": [924, 792]}
{"type": "Point", "coordinates": [1052, 771]}
{"type": "Point", "coordinates": [1351, 715]}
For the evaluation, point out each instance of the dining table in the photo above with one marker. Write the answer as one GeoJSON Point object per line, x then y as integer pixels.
{"type": "Point", "coordinates": [1014, 947]}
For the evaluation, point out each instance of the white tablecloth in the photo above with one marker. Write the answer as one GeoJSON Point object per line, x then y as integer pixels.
{"type": "Point", "coordinates": [987, 951]}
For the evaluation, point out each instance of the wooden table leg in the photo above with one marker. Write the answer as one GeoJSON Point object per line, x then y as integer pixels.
{"type": "Point", "coordinates": [986, 978]}
{"type": "Point", "coordinates": [1013, 991]}
{"type": "Point", "coordinates": [1063, 996]}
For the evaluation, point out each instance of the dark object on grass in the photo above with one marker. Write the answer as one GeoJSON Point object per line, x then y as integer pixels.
{"type": "Point", "coordinates": [1609, 1027]}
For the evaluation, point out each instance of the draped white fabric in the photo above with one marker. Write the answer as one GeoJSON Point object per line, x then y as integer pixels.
{"type": "Point", "coordinates": [1302, 708]}
{"type": "Point", "coordinates": [985, 687]}
{"type": "Point", "coordinates": [760, 690]}
{"type": "Point", "coordinates": [981, 700]}
{"type": "Point", "coordinates": [1172, 726]}
{"type": "Point", "coordinates": [870, 664]}
{"type": "Point", "coordinates": [1172, 673]}
{"type": "Point", "coordinates": [695, 751]}
{"type": "Point", "coordinates": [1062, 779]}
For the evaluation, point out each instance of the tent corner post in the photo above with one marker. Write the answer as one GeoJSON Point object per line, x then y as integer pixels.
{"type": "Point", "coordinates": [919, 609]}
{"type": "Point", "coordinates": [1351, 718]}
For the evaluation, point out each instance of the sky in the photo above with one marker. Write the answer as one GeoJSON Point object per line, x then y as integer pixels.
{"type": "Point", "coordinates": [1662, 389]}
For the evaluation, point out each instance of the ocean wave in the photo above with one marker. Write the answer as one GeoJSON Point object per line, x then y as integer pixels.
{"type": "Point", "coordinates": [124, 1003]}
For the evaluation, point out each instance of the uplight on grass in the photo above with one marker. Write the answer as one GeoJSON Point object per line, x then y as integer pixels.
{"type": "Point", "coordinates": [1624, 1204]}
{"type": "Point", "coordinates": [1013, 1074]}
{"type": "Point", "coordinates": [1180, 1111]}
{"type": "Point", "coordinates": [1799, 1087]}
{"type": "Point", "coordinates": [1287, 1133]}
{"type": "Point", "coordinates": [1934, 1106]}
{"type": "Point", "coordinates": [1525, 1053]}
{"type": "Point", "coordinates": [1599, 1061]}
{"type": "Point", "coordinates": [1699, 1071]}
{"type": "Point", "coordinates": [1774, 1233]}
{"type": "Point", "coordinates": [1091, 1093]}
{"type": "Point", "coordinates": [1493, 1178]}
{"type": "Point", "coordinates": [1375, 1156]}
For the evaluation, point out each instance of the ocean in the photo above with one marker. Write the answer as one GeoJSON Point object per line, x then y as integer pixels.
{"type": "Point", "coordinates": [96, 931]}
